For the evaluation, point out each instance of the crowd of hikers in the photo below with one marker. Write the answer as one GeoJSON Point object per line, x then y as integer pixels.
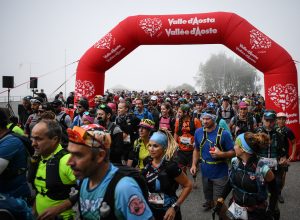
{"type": "Point", "coordinates": [137, 155]}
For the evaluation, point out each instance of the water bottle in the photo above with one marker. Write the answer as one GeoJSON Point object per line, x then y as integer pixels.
{"type": "Point", "coordinates": [104, 209]}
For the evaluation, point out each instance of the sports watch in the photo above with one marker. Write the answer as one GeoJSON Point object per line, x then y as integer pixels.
{"type": "Point", "coordinates": [175, 206]}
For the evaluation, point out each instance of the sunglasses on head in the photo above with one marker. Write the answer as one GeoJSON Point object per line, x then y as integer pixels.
{"type": "Point", "coordinates": [102, 106]}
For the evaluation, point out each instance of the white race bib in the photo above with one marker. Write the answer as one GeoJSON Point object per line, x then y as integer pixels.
{"type": "Point", "coordinates": [156, 198]}
{"type": "Point", "coordinates": [185, 140]}
{"type": "Point", "coordinates": [271, 162]}
{"type": "Point", "coordinates": [238, 212]}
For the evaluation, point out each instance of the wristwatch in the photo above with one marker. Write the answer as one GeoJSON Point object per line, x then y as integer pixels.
{"type": "Point", "coordinates": [175, 206]}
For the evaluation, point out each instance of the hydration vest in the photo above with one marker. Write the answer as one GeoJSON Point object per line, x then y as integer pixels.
{"type": "Point", "coordinates": [244, 126]}
{"type": "Point", "coordinates": [217, 144]}
{"type": "Point", "coordinates": [56, 189]}
{"type": "Point", "coordinates": [275, 149]}
{"type": "Point", "coordinates": [248, 183]}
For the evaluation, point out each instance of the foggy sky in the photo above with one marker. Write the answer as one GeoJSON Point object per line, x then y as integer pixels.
{"type": "Point", "coordinates": [37, 36]}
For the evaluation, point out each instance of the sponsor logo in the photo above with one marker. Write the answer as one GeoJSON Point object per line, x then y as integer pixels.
{"type": "Point", "coordinates": [192, 21]}
{"type": "Point", "coordinates": [247, 53]}
{"type": "Point", "coordinates": [151, 26]}
{"type": "Point", "coordinates": [283, 96]}
{"type": "Point", "coordinates": [84, 89]}
{"type": "Point", "coordinates": [104, 42]}
{"type": "Point", "coordinates": [258, 40]}
{"type": "Point", "coordinates": [114, 52]}
{"type": "Point", "coordinates": [136, 205]}
{"type": "Point", "coordinates": [196, 31]}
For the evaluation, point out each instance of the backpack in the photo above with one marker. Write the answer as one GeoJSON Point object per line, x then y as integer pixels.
{"type": "Point", "coordinates": [192, 126]}
{"type": "Point", "coordinates": [64, 136]}
{"type": "Point", "coordinates": [9, 173]}
{"type": "Point", "coordinates": [56, 189]}
{"type": "Point", "coordinates": [110, 190]}
{"type": "Point", "coordinates": [230, 110]}
{"type": "Point", "coordinates": [249, 124]}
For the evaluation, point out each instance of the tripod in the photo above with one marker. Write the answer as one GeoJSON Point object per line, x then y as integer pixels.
{"type": "Point", "coordinates": [8, 106]}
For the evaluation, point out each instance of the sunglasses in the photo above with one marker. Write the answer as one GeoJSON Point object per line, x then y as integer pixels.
{"type": "Point", "coordinates": [244, 109]}
{"type": "Point", "coordinates": [79, 106]}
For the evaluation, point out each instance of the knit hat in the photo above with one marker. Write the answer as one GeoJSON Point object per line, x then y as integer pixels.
{"type": "Point", "coordinates": [88, 117]}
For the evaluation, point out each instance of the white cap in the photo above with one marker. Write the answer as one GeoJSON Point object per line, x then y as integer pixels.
{"type": "Point", "coordinates": [153, 98]}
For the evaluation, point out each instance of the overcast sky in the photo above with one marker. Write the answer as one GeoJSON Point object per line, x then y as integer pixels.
{"type": "Point", "coordinates": [36, 37]}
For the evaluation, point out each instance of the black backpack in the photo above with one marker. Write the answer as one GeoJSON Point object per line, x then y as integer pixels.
{"type": "Point", "coordinates": [110, 190]}
{"type": "Point", "coordinates": [64, 136]}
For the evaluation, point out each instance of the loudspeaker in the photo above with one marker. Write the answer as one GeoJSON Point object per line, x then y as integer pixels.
{"type": "Point", "coordinates": [7, 82]}
{"type": "Point", "coordinates": [33, 82]}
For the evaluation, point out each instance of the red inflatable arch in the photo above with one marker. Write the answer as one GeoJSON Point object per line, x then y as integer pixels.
{"type": "Point", "coordinates": [229, 29]}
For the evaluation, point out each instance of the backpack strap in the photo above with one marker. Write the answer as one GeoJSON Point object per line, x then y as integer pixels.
{"type": "Point", "coordinates": [218, 139]}
{"type": "Point", "coordinates": [109, 196]}
{"type": "Point", "coordinates": [12, 126]}
{"type": "Point", "coordinates": [62, 120]}
{"type": "Point", "coordinates": [192, 126]}
{"type": "Point", "coordinates": [204, 138]}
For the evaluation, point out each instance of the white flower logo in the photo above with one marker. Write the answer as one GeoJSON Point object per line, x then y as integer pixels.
{"type": "Point", "coordinates": [84, 89]}
{"type": "Point", "coordinates": [151, 25]}
{"type": "Point", "coordinates": [258, 40]}
{"type": "Point", "coordinates": [283, 96]}
{"type": "Point", "coordinates": [104, 42]}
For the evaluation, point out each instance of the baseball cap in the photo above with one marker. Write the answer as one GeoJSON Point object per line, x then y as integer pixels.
{"type": "Point", "coordinates": [270, 115]}
{"type": "Point", "coordinates": [105, 108]}
{"type": "Point", "coordinates": [56, 103]}
{"type": "Point", "coordinates": [28, 97]}
{"type": "Point", "coordinates": [37, 100]}
{"type": "Point", "coordinates": [225, 98]}
{"type": "Point", "coordinates": [153, 98]}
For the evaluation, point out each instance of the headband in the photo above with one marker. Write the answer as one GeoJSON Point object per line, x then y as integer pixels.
{"type": "Point", "coordinates": [160, 138]}
{"type": "Point", "coordinates": [242, 142]}
{"type": "Point", "coordinates": [212, 116]}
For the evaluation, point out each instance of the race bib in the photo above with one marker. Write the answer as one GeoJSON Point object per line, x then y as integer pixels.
{"type": "Point", "coordinates": [271, 162]}
{"type": "Point", "coordinates": [238, 212]}
{"type": "Point", "coordinates": [156, 198]}
{"type": "Point", "coordinates": [185, 140]}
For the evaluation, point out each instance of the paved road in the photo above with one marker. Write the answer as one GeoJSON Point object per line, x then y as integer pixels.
{"type": "Point", "coordinates": [192, 208]}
